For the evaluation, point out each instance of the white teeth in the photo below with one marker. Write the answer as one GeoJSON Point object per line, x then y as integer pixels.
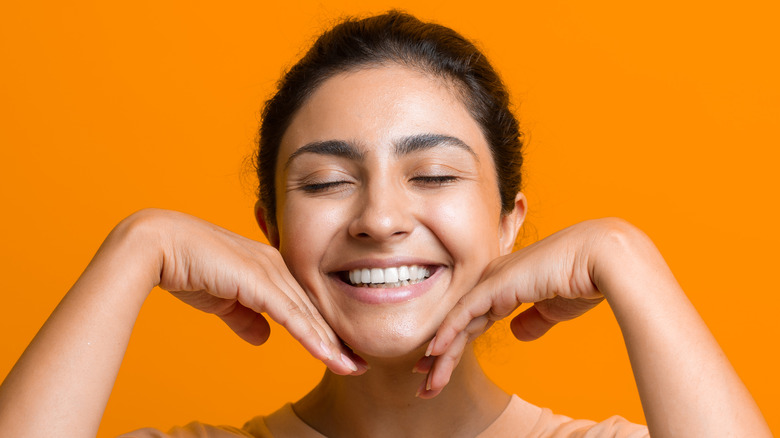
{"type": "Point", "coordinates": [389, 277]}
{"type": "Point", "coordinates": [377, 275]}
{"type": "Point", "coordinates": [355, 276]}
{"type": "Point", "coordinates": [403, 273]}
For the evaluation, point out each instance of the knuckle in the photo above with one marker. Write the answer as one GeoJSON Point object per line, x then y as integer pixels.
{"type": "Point", "coordinates": [295, 311]}
{"type": "Point", "coordinates": [271, 253]}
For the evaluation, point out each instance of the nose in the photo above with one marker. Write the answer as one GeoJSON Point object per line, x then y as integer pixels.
{"type": "Point", "coordinates": [383, 214]}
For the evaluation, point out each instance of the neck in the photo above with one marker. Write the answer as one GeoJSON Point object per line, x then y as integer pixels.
{"type": "Point", "coordinates": [382, 402]}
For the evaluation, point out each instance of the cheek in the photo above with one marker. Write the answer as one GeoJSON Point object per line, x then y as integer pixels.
{"type": "Point", "coordinates": [467, 225]}
{"type": "Point", "coordinates": [306, 230]}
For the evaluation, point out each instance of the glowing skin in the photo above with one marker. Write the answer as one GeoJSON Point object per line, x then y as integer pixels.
{"type": "Point", "coordinates": [382, 168]}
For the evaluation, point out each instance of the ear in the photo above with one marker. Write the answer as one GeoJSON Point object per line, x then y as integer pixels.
{"type": "Point", "coordinates": [269, 230]}
{"type": "Point", "coordinates": [511, 223]}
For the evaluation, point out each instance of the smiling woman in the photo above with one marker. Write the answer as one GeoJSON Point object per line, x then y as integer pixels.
{"type": "Point", "coordinates": [412, 185]}
{"type": "Point", "coordinates": [389, 168]}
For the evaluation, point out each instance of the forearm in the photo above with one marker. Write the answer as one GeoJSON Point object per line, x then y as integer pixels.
{"type": "Point", "coordinates": [61, 384]}
{"type": "Point", "coordinates": [686, 383]}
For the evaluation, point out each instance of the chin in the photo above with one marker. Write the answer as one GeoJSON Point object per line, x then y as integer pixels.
{"type": "Point", "coordinates": [388, 336]}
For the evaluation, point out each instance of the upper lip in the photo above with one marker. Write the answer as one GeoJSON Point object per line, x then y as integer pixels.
{"type": "Point", "coordinates": [391, 262]}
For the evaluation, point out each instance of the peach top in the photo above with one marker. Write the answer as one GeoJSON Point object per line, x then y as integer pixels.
{"type": "Point", "coordinates": [285, 423]}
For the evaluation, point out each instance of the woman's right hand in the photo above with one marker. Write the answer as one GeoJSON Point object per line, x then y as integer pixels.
{"type": "Point", "coordinates": [238, 279]}
{"type": "Point", "coordinates": [77, 353]}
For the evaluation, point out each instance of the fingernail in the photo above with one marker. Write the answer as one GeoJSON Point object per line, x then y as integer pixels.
{"type": "Point", "coordinates": [420, 389]}
{"type": "Point", "coordinates": [428, 383]}
{"type": "Point", "coordinates": [325, 349]}
{"type": "Point", "coordinates": [430, 347]}
{"type": "Point", "coordinates": [348, 362]}
{"type": "Point", "coordinates": [361, 363]}
{"type": "Point", "coordinates": [416, 368]}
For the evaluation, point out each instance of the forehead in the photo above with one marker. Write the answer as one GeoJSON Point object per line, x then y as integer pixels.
{"type": "Point", "coordinates": [375, 106]}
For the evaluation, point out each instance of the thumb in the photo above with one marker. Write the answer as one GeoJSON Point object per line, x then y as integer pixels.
{"type": "Point", "coordinates": [248, 324]}
{"type": "Point", "coordinates": [530, 324]}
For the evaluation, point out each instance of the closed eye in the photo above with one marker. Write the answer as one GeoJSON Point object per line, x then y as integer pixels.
{"type": "Point", "coordinates": [434, 180]}
{"type": "Point", "coordinates": [322, 187]}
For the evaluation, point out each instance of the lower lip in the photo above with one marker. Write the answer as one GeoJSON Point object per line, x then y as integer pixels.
{"type": "Point", "coordinates": [381, 295]}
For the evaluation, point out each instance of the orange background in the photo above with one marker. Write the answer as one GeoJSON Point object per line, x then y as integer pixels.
{"type": "Point", "coordinates": [663, 113]}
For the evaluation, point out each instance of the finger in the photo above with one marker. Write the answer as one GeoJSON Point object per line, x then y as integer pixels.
{"type": "Point", "coordinates": [295, 311]}
{"type": "Point", "coordinates": [360, 363]}
{"type": "Point", "coordinates": [467, 308]}
{"type": "Point", "coordinates": [295, 317]}
{"type": "Point", "coordinates": [530, 324]}
{"type": "Point", "coordinates": [292, 288]}
{"type": "Point", "coordinates": [281, 277]}
{"type": "Point", "coordinates": [445, 364]}
{"type": "Point", "coordinates": [347, 358]}
{"type": "Point", "coordinates": [300, 296]}
{"type": "Point", "coordinates": [485, 299]}
{"type": "Point", "coordinates": [423, 392]}
{"type": "Point", "coordinates": [356, 364]}
{"type": "Point", "coordinates": [285, 296]}
{"type": "Point", "coordinates": [248, 324]}
{"type": "Point", "coordinates": [424, 365]}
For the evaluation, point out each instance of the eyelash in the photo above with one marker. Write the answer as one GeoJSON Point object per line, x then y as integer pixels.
{"type": "Point", "coordinates": [321, 187]}
{"type": "Point", "coordinates": [437, 180]}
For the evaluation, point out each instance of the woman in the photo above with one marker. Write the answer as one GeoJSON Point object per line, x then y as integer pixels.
{"type": "Point", "coordinates": [390, 192]}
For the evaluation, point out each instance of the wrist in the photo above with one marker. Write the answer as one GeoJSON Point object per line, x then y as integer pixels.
{"type": "Point", "coordinates": [133, 251]}
{"type": "Point", "coordinates": [621, 254]}
{"type": "Point", "coordinates": [631, 273]}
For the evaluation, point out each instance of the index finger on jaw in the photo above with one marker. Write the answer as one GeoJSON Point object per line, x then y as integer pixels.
{"type": "Point", "coordinates": [472, 305]}
{"type": "Point", "coordinates": [288, 304]}
{"type": "Point", "coordinates": [342, 355]}
{"type": "Point", "coordinates": [295, 316]}
{"type": "Point", "coordinates": [444, 365]}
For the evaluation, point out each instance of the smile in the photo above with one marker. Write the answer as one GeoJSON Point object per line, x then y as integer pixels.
{"type": "Point", "coordinates": [387, 281]}
{"type": "Point", "coordinates": [388, 277]}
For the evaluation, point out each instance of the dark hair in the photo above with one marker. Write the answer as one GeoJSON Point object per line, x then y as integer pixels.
{"type": "Point", "coordinates": [396, 38]}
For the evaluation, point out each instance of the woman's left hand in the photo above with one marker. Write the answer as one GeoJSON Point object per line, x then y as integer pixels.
{"type": "Point", "coordinates": [555, 274]}
{"type": "Point", "coordinates": [686, 383]}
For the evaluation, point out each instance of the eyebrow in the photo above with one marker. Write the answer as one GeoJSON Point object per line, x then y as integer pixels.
{"type": "Point", "coordinates": [403, 146]}
{"type": "Point", "coordinates": [421, 142]}
{"type": "Point", "coordinates": [337, 148]}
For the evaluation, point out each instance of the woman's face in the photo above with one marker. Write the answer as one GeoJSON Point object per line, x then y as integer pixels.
{"type": "Point", "coordinates": [388, 206]}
